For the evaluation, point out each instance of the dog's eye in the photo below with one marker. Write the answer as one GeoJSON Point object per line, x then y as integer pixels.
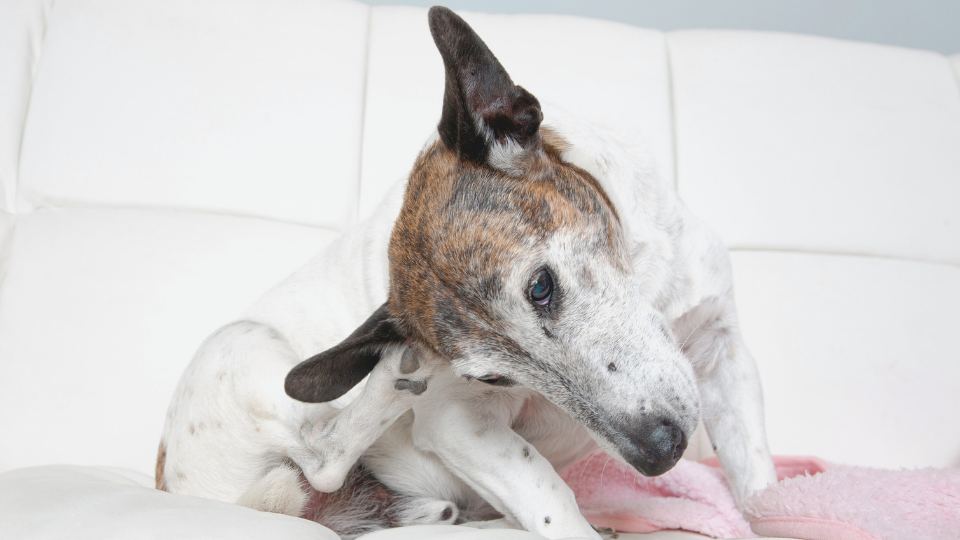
{"type": "Point", "coordinates": [497, 380]}
{"type": "Point", "coordinates": [542, 289]}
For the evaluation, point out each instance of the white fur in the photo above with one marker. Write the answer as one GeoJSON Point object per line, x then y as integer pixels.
{"type": "Point", "coordinates": [279, 492]}
{"type": "Point", "coordinates": [231, 427]}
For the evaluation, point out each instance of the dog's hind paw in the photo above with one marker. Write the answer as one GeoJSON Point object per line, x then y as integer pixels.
{"type": "Point", "coordinates": [280, 492]}
{"type": "Point", "coordinates": [426, 511]}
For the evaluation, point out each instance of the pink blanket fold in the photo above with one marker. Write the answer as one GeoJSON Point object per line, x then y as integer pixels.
{"type": "Point", "coordinates": [813, 501]}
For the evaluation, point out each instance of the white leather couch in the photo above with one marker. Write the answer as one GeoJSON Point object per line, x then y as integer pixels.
{"type": "Point", "coordinates": [163, 163]}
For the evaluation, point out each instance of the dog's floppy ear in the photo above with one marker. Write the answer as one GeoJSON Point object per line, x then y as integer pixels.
{"type": "Point", "coordinates": [334, 372]}
{"type": "Point", "coordinates": [481, 105]}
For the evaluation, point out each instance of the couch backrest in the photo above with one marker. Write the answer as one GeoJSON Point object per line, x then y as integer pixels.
{"type": "Point", "coordinates": [164, 163]}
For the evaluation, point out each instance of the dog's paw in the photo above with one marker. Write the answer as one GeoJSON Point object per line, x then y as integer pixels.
{"type": "Point", "coordinates": [426, 511]}
{"type": "Point", "coordinates": [279, 492]}
{"type": "Point", "coordinates": [606, 533]}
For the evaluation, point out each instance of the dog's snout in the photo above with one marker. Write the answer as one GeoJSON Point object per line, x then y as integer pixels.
{"type": "Point", "coordinates": [658, 445]}
{"type": "Point", "coordinates": [668, 440]}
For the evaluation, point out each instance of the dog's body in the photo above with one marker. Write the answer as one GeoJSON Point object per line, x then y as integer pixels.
{"type": "Point", "coordinates": [544, 294]}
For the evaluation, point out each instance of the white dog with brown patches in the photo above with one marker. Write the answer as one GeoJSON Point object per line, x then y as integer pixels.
{"type": "Point", "coordinates": [540, 294]}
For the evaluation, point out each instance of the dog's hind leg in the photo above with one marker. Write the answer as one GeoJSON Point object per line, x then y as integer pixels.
{"type": "Point", "coordinates": [333, 446]}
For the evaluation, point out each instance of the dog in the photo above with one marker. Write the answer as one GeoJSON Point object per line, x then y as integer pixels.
{"type": "Point", "coordinates": [543, 296]}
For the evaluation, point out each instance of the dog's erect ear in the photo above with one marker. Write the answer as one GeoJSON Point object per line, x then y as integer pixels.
{"type": "Point", "coordinates": [334, 372]}
{"type": "Point", "coordinates": [481, 105]}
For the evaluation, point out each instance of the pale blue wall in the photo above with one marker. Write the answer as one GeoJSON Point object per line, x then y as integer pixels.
{"type": "Point", "coordinates": [924, 24]}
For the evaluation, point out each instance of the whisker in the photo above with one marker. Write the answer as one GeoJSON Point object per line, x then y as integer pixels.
{"type": "Point", "coordinates": [601, 473]}
{"type": "Point", "coordinates": [691, 333]}
{"type": "Point", "coordinates": [595, 454]}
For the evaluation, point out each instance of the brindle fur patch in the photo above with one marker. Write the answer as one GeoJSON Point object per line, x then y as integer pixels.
{"type": "Point", "coordinates": [462, 224]}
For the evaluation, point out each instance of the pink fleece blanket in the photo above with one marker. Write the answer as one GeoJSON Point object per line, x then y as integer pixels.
{"type": "Point", "coordinates": [812, 501]}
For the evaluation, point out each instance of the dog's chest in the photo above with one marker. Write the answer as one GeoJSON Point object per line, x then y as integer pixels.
{"type": "Point", "coordinates": [557, 436]}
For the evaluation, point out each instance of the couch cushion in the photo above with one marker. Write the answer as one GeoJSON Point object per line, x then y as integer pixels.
{"type": "Point", "coordinates": [809, 143]}
{"type": "Point", "coordinates": [606, 72]}
{"type": "Point", "coordinates": [857, 355]}
{"type": "Point", "coordinates": [101, 311]}
{"type": "Point", "coordinates": [82, 503]}
{"type": "Point", "coordinates": [244, 107]}
{"type": "Point", "coordinates": [103, 503]}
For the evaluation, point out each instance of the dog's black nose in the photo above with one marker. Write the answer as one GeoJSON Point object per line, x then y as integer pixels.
{"type": "Point", "coordinates": [658, 445]}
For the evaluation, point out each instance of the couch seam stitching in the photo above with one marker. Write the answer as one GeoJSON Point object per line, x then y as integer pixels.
{"type": "Point", "coordinates": [363, 117]}
{"type": "Point", "coordinates": [673, 114]}
{"type": "Point", "coordinates": [34, 69]}
{"type": "Point", "coordinates": [801, 251]}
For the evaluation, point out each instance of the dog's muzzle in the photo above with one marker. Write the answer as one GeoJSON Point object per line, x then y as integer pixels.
{"type": "Point", "coordinates": [657, 444]}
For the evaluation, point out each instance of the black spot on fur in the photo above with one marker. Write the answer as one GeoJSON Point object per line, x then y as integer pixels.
{"type": "Point", "coordinates": [611, 366]}
{"type": "Point", "coordinates": [415, 387]}
{"type": "Point", "coordinates": [546, 520]}
{"type": "Point", "coordinates": [526, 452]}
{"type": "Point", "coordinates": [409, 362]}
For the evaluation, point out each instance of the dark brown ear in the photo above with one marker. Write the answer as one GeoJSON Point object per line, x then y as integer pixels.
{"type": "Point", "coordinates": [481, 105]}
{"type": "Point", "coordinates": [334, 372]}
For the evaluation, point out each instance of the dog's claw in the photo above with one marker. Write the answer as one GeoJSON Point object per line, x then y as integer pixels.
{"type": "Point", "coordinates": [607, 533]}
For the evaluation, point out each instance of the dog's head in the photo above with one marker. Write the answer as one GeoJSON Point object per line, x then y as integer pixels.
{"type": "Point", "coordinates": [512, 264]}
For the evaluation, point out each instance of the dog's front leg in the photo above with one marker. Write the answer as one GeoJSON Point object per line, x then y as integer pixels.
{"type": "Point", "coordinates": [469, 430]}
{"type": "Point", "coordinates": [333, 446]}
{"type": "Point", "coordinates": [731, 397]}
